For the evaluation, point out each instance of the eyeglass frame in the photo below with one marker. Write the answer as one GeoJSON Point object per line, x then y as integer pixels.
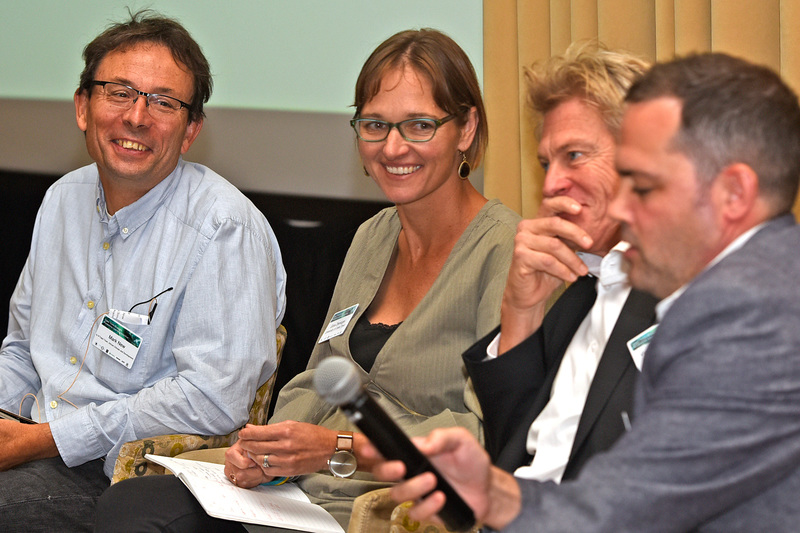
{"type": "Point", "coordinates": [437, 122]}
{"type": "Point", "coordinates": [142, 93]}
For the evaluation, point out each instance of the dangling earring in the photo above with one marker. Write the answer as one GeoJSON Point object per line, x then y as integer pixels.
{"type": "Point", "coordinates": [365, 170]}
{"type": "Point", "coordinates": [463, 168]}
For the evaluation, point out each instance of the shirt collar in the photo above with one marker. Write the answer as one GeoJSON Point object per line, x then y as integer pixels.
{"type": "Point", "coordinates": [132, 216]}
{"type": "Point", "coordinates": [664, 305]}
{"type": "Point", "coordinates": [608, 268]}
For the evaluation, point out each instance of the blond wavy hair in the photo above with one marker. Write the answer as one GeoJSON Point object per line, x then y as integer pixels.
{"type": "Point", "coordinates": [588, 70]}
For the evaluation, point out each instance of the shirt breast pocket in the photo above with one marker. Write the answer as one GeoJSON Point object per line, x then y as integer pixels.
{"type": "Point", "coordinates": [130, 347]}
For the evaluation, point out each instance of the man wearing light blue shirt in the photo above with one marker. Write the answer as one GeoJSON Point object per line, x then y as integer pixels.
{"type": "Point", "coordinates": [152, 292]}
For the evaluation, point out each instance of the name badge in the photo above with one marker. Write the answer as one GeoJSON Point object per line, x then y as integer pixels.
{"type": "Point", "coordinates": [338, 323]}
{"type": "Point", "coordinates": [638, 345]}
{"type": "Point", "coordinates": [117, 341]}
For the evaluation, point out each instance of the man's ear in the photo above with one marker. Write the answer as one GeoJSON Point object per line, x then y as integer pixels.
{"type": "Point", "coordinates": [192, 131]}
{"type": "Point", "coordinates": [737, 191]}
{"type": "Point", "coordinates": [81, 98]}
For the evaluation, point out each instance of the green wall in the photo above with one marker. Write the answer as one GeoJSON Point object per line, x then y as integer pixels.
{"type": "Point", "coordinates": [297, 55]}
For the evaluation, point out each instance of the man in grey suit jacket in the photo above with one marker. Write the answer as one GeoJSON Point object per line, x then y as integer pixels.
{"type": "Point", "coordinates": [566, 379]}
{"type": "Point", "coordinates": [708, 156]}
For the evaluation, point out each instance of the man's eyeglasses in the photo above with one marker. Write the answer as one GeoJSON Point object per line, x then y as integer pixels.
{"type": "Point", "coordinates": [415, 130]}
{"type": "Point", "coordinates": [124, 96]}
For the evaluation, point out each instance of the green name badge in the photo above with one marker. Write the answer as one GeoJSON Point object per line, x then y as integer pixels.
{"type": "Point", "coordinates": [117, 341]}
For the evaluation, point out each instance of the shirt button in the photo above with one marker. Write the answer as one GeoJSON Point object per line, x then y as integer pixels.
{"type": "Point", "coordinates": [90, 304]}
{"type": "Point", "coordinates": [125, 231]}
{"type": "Point", "coordinates": [73, 360]}
{"type": "Point", "coordinates": [54, 404]}
{"type": "Point", "coordinates": [106, 246]}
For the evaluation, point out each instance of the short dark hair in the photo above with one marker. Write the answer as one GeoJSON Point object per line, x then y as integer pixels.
{"type": "Point", "coordinates": [147, 26]}
{"type": "Point", "coordinates": [436, 56]}
{"type": "Point", "coordinates": [732, 112]}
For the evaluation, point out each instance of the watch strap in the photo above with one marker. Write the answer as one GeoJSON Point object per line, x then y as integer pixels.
{"type": "Point", "coordinates": [344, 441]}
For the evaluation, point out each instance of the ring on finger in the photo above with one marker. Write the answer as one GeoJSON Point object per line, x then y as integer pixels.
{"type": "Point", "coordinates": [265, 462]}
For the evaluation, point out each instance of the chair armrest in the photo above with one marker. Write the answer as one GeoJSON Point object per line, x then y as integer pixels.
{"type": "Point", "coordinates": [132, 463]}
{"type": "Point", "coordinates": [376, 511]}
{"type": "Point", "coordinates": [401, 523]}
{"type": "Point", "coordinates": [372, 511]}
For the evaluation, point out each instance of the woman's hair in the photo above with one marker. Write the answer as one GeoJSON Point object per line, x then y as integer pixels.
{"type": "Point", "coordinates": [436, 56]}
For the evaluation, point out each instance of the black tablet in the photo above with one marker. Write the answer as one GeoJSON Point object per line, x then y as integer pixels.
{"type": "Point", "coordinates": [8, 415]}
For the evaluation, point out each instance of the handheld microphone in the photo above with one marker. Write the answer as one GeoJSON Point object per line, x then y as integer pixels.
{"type": "Point", "coordinates": [337, 381]}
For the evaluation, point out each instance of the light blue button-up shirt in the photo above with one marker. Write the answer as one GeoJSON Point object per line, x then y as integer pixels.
{"type": "Point", "coordinates": [211, 341]}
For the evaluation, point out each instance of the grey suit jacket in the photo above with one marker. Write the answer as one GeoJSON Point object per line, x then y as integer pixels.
{"type": "Point", "coordinates": [715, 445]}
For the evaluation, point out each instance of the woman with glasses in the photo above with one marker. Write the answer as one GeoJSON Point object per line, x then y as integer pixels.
{"type": "Point", "coordinates": [421, 283]}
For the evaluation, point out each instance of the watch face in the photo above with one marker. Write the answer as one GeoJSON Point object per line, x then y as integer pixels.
{"type": "Point", "coordinates": [342, 464]}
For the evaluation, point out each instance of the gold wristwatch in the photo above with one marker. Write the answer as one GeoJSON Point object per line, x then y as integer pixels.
{"type": "Point", "coordinates": [343, 462]}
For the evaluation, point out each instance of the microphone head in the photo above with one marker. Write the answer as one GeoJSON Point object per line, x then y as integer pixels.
{"type": "Point", "coordinates": [337, 381]}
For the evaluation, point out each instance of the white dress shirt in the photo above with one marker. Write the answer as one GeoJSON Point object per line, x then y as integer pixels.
{"type": "Point", "coordinates": [552, 433]}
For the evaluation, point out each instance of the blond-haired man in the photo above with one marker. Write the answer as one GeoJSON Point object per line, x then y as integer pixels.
{"type": "Point", "coordinates": [556, 390]}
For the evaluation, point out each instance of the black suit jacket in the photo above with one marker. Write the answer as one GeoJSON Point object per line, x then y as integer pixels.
{"type": "Point", "coordinates": [514, 388]}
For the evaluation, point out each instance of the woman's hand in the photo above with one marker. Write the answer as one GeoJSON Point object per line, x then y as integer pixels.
{"type": "Point", "coordinates": [242, 470]}
{"type": "Point", "coordinates": [292, 448]}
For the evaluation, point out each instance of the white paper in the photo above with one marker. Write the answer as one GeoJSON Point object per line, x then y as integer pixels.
{"type": "Point", "coordinates": [283, 506]}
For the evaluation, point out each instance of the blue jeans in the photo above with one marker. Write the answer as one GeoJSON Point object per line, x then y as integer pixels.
{"type": "Point", "coordinates": [47, 495]}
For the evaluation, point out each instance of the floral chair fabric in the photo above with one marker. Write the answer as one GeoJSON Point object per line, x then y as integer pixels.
{"type": "Point", "coordinates": [376, 511]}
{"type": "Point", "coordinates": [131, 461]}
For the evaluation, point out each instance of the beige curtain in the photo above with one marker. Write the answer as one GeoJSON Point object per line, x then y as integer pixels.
{"type": "Point", "coordinates": [518, 33]}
